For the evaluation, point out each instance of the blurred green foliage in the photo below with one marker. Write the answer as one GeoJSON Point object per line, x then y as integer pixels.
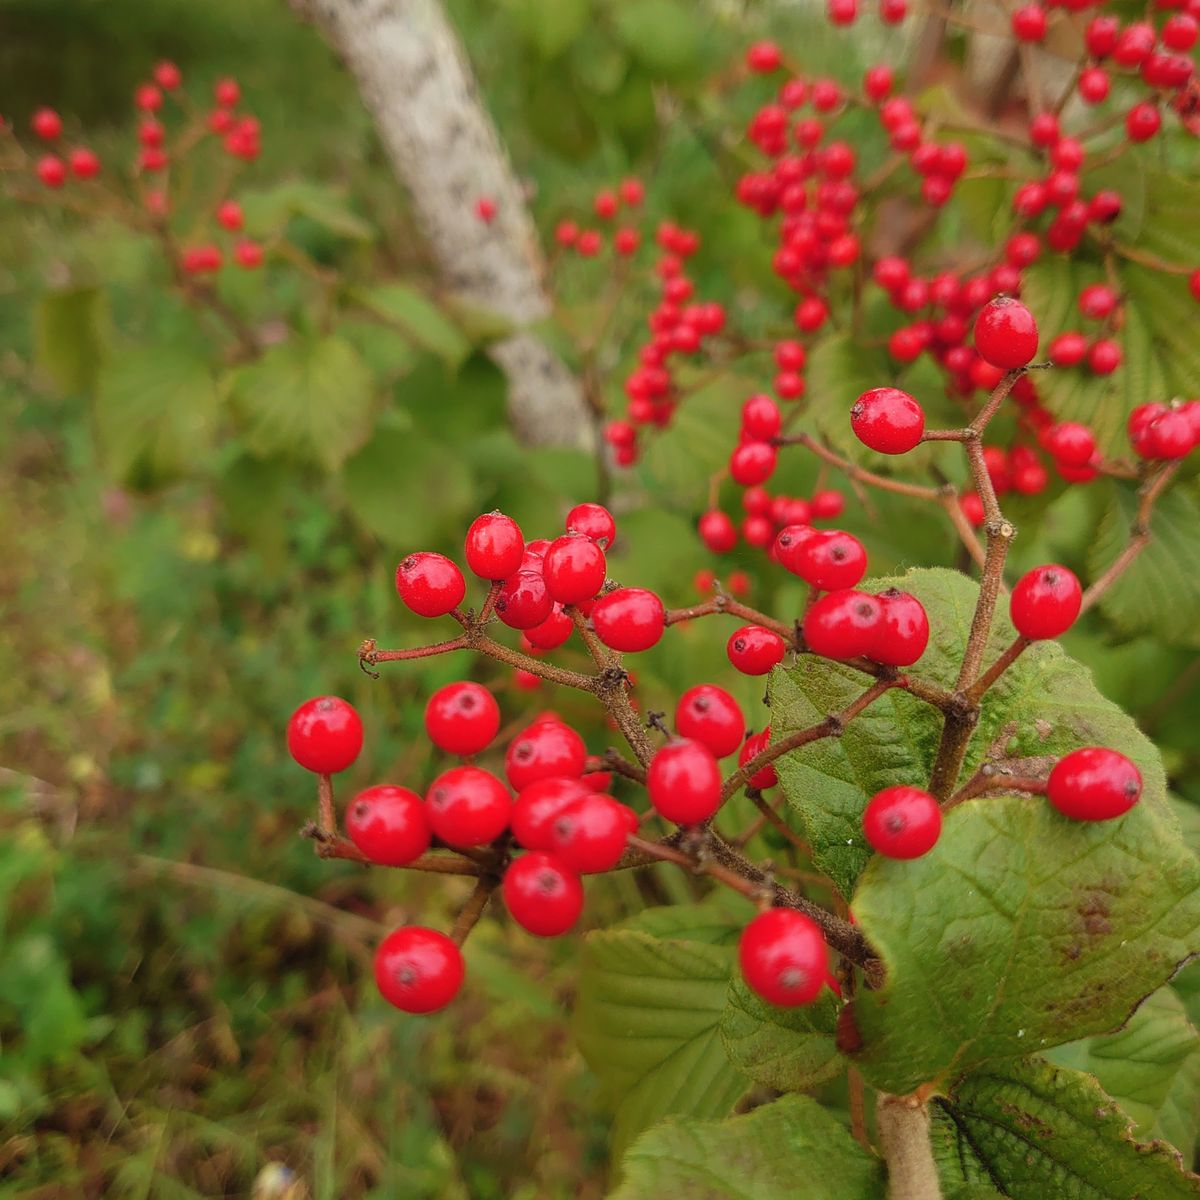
{"type": "Point", "coordinates": [189, 549]}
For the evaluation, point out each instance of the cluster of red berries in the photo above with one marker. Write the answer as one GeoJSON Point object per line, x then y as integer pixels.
{"type": "Point", "coordinates": [240, 135]}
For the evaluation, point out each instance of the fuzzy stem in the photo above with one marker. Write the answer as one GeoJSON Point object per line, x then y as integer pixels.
{"type": "Point", "coordinates": [903, 1124]}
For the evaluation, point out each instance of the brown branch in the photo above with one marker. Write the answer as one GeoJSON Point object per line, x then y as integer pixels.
{"type": "Point", "coordinates": [724, 603]}
{"type": "Point", "coordinates": [470, 913]}
{"type": "Point", "coordinates": [991, 778]}
{"type": "Point", "coordinates": [903, 1124]}
{"type": "Point", "coordinates": [326, 816]}
{"type": "Point", "coordinates": [857, 473]}
{"type": "Point", "coordinates": [332, 846]}
{"type": "Point", "coordinates": [1005, 660]}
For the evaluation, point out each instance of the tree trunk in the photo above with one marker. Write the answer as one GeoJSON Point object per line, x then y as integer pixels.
{"type": "Point", "coordinates": [414, 77]}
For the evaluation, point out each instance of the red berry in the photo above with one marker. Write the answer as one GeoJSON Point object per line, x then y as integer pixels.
{"type": "Point", "coordinates": [167, 75]}
{"type": "Point", "coordinates": [430, 584]}
{"type": "Point", "coordinates": [831, 560]}
{"type": "Point", "coordinates": [843, 625]}
{"type": "Point", "coordinates": [684, 782]}
{"type": "Point", "coordinates": [485, 209]}
{"type": "Point", "coordinates": [418, 970]}
{"type": "Point", "coordinates": [1006, 334]}
{"type": "Point", "coordinates": [148, 98]}
{"type": "Point", "coordinates": [1043, 129]}
{"type": "Point", "coordinates": [1134, 44]}
{"type": "Point", "coordinates": [1143, 121]}
{"type": "Point", "coordinates": [462, 718]}
{"type": "Point", "coordinates": [752, 463]}
{"type": "Point", "coordinates": [1093, 85]}
{"type": "Point", "coordinates": [227, 93]}
{"type": "Point", "coordinates": [1094, 784]}
{"type": "Point", "coordinates": [1104, 357]}
{"type": "Point", "coordinates": [494, 546]}
{"type": "Point", "coordinates": [574, 568]}
{"type": "Point", "coordinates": [544, 750]}
{"type": "Point", "coordinates": [629, 619]}
{"type": "Point", "coordinates": [230, 216]}
{"type": "Point", "coordinates": [389, 825]}
{"type": "Point", "coordinates": [754, 650]}
{"type": "Point", "coordinates": [711, 716]}
{"type": "Point", "coordinates": [593, 521]}
{"type": "Point", "coordinates": [1045, 602]}
{"type": "Point", "coordinates": [903, 630]}
{"type": "Point", "coordinates": [248, 255]}
{"type": "Point", "coordinates": [1100, 37]}
{"type": "Point", "coordinates": [718, 532]}
{"type": "Point", "coordinates": [46, 124]}
{"type": "Point", "coordinates": [588, 243]}
{"type": "Point", "coordinates": [525, 601]}
{"type": "Point", "coordinates": [52, 171]}
{"type": "Point", "coordinates": [827, 504]}
{"type": "Point", "coordinates": [1029, 23]}
{"type": "Point", "coordinates": [1170, 436]}
{"type": "Point", "coordinates": [467, 806]}
{"type": "Point", "coordinates": [760, 418]}
{"type": "Point", "coordinates": [763, 57]}
{"type": "Point", "coordinates": [1068, 349]}
{"type": "Point", "coordinates": [887, 420]}
{"type": "Point", "coordinates": [324, 735]}
{"type": "Point", "coordinates": [1097, 301]}
{"type": "Point", "coordinates": [605, 205]}
{"type": "Point", "coordinates": [151, 132]}
{"type": "Point", "coordinates": [632, 191]}
{"type": "Point", "coordinates": [902, 822]}
{"type": "Point", "coordinates": [782, 957]}
{"type": "Point", "coordinates": [877, 82]}
{"type": "Point", "coordinates": [1070, 443]}
{"type": "Point", "coordinates": [543, 895]}
{"type": "Point", "coordinates": [590, 834]}
{"type": "Point", "coordinates": [85, 164]}
{"type": "Point", "coordinates": [538, 804]}
{"type": "Point", "coordinates": [752, 747]}
{"type": "Point", "coordinates": [1179, 31]}
{"type": "Point", "coordinates": [811, 314]}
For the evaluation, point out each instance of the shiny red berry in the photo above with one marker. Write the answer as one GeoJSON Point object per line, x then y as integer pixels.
{"type": "Point", "coordinates": [590, 834]}
{"type": "Point", "coordinates": [1143, 121]}
{"type": "Point", "coordinates": [827, 504]}
{"type": "Point", "coordinates": [1094, 784]}
{"type": "Point", "coordinates": [710, 715]}
{"type": "Point", "coordinates": [752, 463]}
{"type": "Point", "coordinates": [418, 970]}
{"type": "Point", "coordinates": [468, 806]}
{"type": "Point", "coordinates": [903, 630]}
{"type": "Point", "coordinates": [524, 600]}
{"type": "Point", "coordinates": [545, 750]}
{"type": "Point", "coordinates": [684, 782]}
{"type": "Point", "coordinates": [538, 804]}
{"type": "Point", "coordinates": [593, 521]}
{"type": "Point", "coordinates": [324, 735]}
{"type": "Point", "coordinates": [718, 532]}
{"type": "Point", "coordinates": [754, 650]}
{"type": "Point", "coordinates": [1029, 23]}
{"type": "Point", "coordinates": [1070, 443]}
{"type": "Point", "coordinates": [494, 546]}
{"type": "Point", "coordinates": [629, 619]}
{"type": "Point", "coordinates": [831, 560]}
{"type": "Point", "coordinates": [1097, 301]}
{"type": "Point", "coordinates": [764, 57]}
{"type": "Point", "coordinates": [430, 584]}
{"type": "Point", "coordinates": [1006, 335]}
{"type": "Point", "coordinates": [760, 418]}
{"type": "Point", "coordinates": [887, 420]}
{"type": "Point", "coordinates": [543, 894]}
{"type": "Point", "coordinates": [1104, 357]}
{"type": "Point", "coordinates": [752, 747]}
{"type": "Point", "coordinates": [1045, 602]}
{"type": "Point", "coordinates": [389, 825]}
{"type": "Point", "coordinates": [1068, 349]}
{"type": "Point", "coordinates": [462, 718]}
{"type": "Point", "coordinates": [783, 958]}
{"type": "Point", "coordinates": [902, 822]}
{"type": "Point", "coordinates": [574, 568]}
{"type": "Point", "coordinates": [843, 625]}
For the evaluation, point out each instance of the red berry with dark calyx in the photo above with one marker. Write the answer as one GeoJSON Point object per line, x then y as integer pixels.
{"type": "Point", "coordinates": [468, 806]}
{"type": "Point", "coordinates": [790, 545]}
{"type": "Point", "coordinates": [574, 568]}
{"type": "Point", "coordinates": [752, 747]}
{"type": "Point", "coordinates": [389, 825]}
{"type": "Point", "coordinates": [324, 735]}
{"type": "Point", "coordinates": [831, 560]}
{"type": "Point", "coordinates": [418, 970]}
{"type": "Point", "coordinates": [590, 834]}
{"type": "Point", "coordinates": [902, 822]}
{"type": "Point", "coordinates": [593, 521]}
{"type": "Point", "coordinates": [718, 532]}
{"type": "Point", "coordinates": [843, 625]}
{"type": "Point", "coordinates": [430, 584]}
{"type": "Point", "coordinates": [887, 420]}
{"type": "Point", "coordinates": [684, 782]}
{"type": "Point", "coordinates": [710, 715]}
{"type": "Point", "coordinates": [1006, 334]}
{"type": "Point", "coordinates": [752, 463]}
{"type": "Point", "coordinates": [1094, 784]}
{"type": "Point", "coordinates": [494, 546]}
{"type": "Point", "coordinates": [524, 600]}
{"type": "Point", "coordinates": [903, 630]}
{"type": "Point", "coordinates": [538, 804]}
{"type": "Point", "coordinates": [462, 718]}
{"type": "Point", "coordinates": [629, 619]}
{"type": "Point", "coordinates": [545, 750]}
{"type": "Point", "coordinates": [782, 957]}
{"type": "Point", "coordinates": [543, 894]}
{"type": "Point", "coordinates": [754, 650]}
{"type": "Point", "coordinates": [1045, 602]}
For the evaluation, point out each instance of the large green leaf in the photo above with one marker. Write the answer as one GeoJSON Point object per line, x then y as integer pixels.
{"type": "Point", "coordinates": [1046, 704]}
{"type": "Point", "coordinates": [1148, 1068]}
{"type": "Point", "coordinates": [651, 996]}
{"type": "Point", "coordinates": [551, 25]}
{"type": "Point", "coordinates": [789, 1150]}
{"type": "Point", "coordinates": [268, 210]}
{"type": "Point", "coordinates": [70, 329]}
{"type": "Point", "coordinates": [155, 413]}
{"type": "Point", "coordinates": [1037, 1132]}
{"type": "Point", "coordinates": [1160, 592]}
{"type": "Point", "coordinates": [308, 398]}
{"type": "Point", "coordinates": [663, 34]}
{"type": "Point", "coordinates": [418, 318]}
{"type": "Point", "coordinates": [789, 1049]}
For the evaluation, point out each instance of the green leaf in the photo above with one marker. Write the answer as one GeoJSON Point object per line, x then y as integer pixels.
{"type": "Point", "coordinates": [1170, 230]}
{"type": "Point", "coordinates": [788, 1049]}
{"type": "Point", "coordinates": [663, 34]}
{"type": "Point", "coordinates": [651, 996]}
{"type": "Point", "coordinates": [789, 1150]}
{"type": "Point", "coordinates": [1140, 1065]}
{"type": "Point", "coordinates": [420, 320]}
{"type": "Point", "coordinates": [1035, 1132]}
{"type": "Point", "coordinates": [309, 399]}
{"type": "Point", "coordinates": [155, 414]}
{"type": "Point", "coordinates": [70, 333]}
{"type": "Point", "coordinates": [551, 25]}
{"type": "Point", "coordinates": [1166, 306]}
{"type": "Point", "coordinates": [1160, 592]}
{"type": "Point", "coordinates": [269, 210]}
{"type": "Point", "coordinates": [839, 371]}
